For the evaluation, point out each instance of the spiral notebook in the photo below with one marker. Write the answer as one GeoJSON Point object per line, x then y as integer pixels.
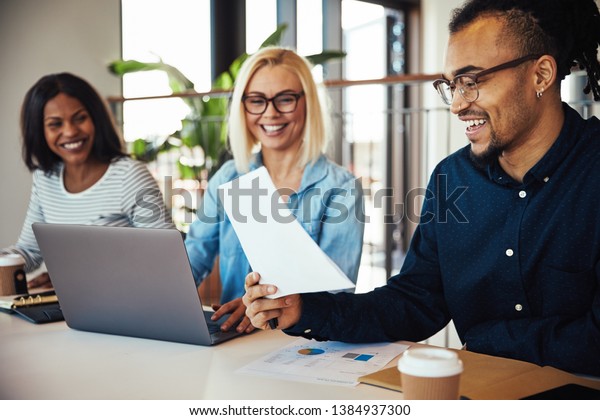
{"type": "Point", "coordinates": [127, 281]}
{"type": "Point", "coordinates": [39, 308]}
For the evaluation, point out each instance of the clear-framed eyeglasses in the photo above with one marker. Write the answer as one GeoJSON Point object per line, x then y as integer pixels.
{"type": "Point", "coordinates": [284, 103]}
{"type": "Point", "coordinates": [466, 84]}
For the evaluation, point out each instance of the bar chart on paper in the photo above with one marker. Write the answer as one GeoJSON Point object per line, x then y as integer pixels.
{"type": "Point", "coordinates": [324, 361]}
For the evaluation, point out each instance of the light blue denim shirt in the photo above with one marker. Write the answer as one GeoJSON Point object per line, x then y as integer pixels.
{"type": "Point", "coordinates": [329, 206]}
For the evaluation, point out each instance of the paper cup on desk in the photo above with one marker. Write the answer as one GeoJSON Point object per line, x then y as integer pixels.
{"type": "Point", "coordinates": [430, 374]}
{"type": "Point", "coordinates": [12, 275]}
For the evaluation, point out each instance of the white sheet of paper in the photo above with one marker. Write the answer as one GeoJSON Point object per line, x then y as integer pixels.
{"type": "Point", "coordinates": [276, 245]}
{"type": "Point", "coordinates": [329, 362]}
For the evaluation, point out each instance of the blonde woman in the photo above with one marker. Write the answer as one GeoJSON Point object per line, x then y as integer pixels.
{"type": "Point", "coordinates": [277, 119]}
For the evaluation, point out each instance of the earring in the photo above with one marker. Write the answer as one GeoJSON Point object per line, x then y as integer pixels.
{"type": "Point", "coordinates": [539, 93]}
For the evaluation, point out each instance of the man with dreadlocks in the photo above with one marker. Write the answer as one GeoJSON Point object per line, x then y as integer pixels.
{"type": "Point", "coordinates": [509, 240]}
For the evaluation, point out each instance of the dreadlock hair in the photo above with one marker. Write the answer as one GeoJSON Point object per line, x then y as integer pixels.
{"type": "Point", "coordinates": [568, 30]}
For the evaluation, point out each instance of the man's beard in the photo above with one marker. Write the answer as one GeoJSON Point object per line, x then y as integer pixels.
{"type": "Point", "coordinates": [489, 155]}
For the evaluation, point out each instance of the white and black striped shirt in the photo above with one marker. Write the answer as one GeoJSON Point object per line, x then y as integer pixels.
{"type": "Point", "coordinates": [126, 195]}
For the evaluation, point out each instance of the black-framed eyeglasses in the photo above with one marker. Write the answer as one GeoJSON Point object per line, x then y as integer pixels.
{"type": "Point", "coordinates": [284, 103]}
{"type": "Point", "coordinates": [466, 83]}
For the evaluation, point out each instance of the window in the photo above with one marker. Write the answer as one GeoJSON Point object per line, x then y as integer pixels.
{"type": "Point", "coordinates": [178, 32]}
{"type": "Point", "coordinates": [261, 21]}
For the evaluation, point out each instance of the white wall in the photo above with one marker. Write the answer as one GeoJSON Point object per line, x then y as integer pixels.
{"type": "Point", "coordinates": [37, 38]}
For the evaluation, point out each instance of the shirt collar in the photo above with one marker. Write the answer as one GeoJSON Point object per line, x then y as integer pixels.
{"type": "Point", "coordinates": [256, 161]}
{"type": "Point", "coordinates": [545, 167]}
{"type": "Point", "coordinates": [313, 171]}
{"type": "Point", "coordinates": [563, 145]}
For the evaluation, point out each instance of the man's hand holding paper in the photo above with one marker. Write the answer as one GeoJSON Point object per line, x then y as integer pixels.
{"type": "Point", "coordinates": [275, 244]}
{"type": "Point", "coordinates": [286, 310]}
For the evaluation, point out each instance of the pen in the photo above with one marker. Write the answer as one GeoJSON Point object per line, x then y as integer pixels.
{"type": "Point", "coordinates": [273, 323]}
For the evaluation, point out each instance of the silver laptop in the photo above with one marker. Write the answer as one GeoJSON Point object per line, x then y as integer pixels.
{"type": "Point", "coordinates": [127, 281]}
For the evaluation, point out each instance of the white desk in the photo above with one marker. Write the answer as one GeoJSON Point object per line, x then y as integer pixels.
{"type": "Point", "coordinates": [52, 361]}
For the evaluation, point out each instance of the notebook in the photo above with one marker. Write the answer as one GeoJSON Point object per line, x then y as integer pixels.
{"type": "Point", "coordinates": [40, 307]}
{"type": "Point", "coordinates": [127, 281]}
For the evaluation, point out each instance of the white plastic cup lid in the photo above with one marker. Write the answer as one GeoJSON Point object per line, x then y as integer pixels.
{"type": "Point", "coordinates": [9, 260]}
{"type": "Point", "coordinates": [430, 362]}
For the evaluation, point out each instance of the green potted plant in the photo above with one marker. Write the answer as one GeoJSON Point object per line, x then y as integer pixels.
{"type": "Point", "coordinates": [204, 125]}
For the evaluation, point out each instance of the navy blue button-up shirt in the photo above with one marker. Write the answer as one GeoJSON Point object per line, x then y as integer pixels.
{"type": "Point", "coordinates": [515, 265]}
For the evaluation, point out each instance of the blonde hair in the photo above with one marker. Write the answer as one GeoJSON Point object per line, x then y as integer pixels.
{"type": "Point", "coordinates": [316, 126]}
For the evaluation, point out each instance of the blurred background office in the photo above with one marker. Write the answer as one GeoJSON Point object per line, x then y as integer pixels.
{"type": "Point", "coordinates": [390, 132]}
{"type": "Point", "coordinates": [84, 36]}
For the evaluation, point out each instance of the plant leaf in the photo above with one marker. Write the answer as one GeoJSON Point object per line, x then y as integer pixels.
{"type": "Point", "coordinates": [189, 172]}
{"type": "Point", "coordinates": [275, 37]}
{"type": "Point", "coordinates": [325, 56]}
{"type": "Point", "coordinates": [223, 81]}
{"type": "Point", "coordinates": [234, 68]}
{"type": "Point", "coordinates": [121, 67]}
{"type": "Point", "coordinates": [177, 80]}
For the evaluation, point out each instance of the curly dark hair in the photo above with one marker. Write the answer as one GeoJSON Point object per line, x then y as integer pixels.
{"type": "Point", "coordinates": [569, 30]}
{"type": "Point", "coordinates": [108, 145]}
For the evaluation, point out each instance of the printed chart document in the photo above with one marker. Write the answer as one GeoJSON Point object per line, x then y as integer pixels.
{"type": "Point", "coordinates": [324, 362]}
{"type": "Point", "coordinates": [277, 246]}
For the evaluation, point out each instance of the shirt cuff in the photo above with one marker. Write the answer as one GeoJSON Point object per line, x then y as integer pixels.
{"type": "Point", "coordinates": [313, 318]}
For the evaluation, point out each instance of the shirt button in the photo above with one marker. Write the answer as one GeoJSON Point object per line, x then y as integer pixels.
{"type": "Point", "coordinates": [546, 179]}
{"type": "Point", "coordinates": [518, 307]}
{"type": "Point", "coordinates": [510, 252]}
{"type": "Point", "coordinates": [522, 194]}
{"type": "Point", "coordinates": [307, 331]}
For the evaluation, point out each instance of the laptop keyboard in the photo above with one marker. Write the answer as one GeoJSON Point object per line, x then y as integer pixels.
{"type": "Point", "coordinates": [215, 326]}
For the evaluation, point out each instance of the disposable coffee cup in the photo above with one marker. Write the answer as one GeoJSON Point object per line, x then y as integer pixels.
{"type": "Point", "coordinates": [12, 275]}
{"type": "Point", "coordinates": [430, 374]}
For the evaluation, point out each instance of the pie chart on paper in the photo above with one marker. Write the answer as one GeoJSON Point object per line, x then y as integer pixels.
{"type": "Point", "coordinates": [311, 352]}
